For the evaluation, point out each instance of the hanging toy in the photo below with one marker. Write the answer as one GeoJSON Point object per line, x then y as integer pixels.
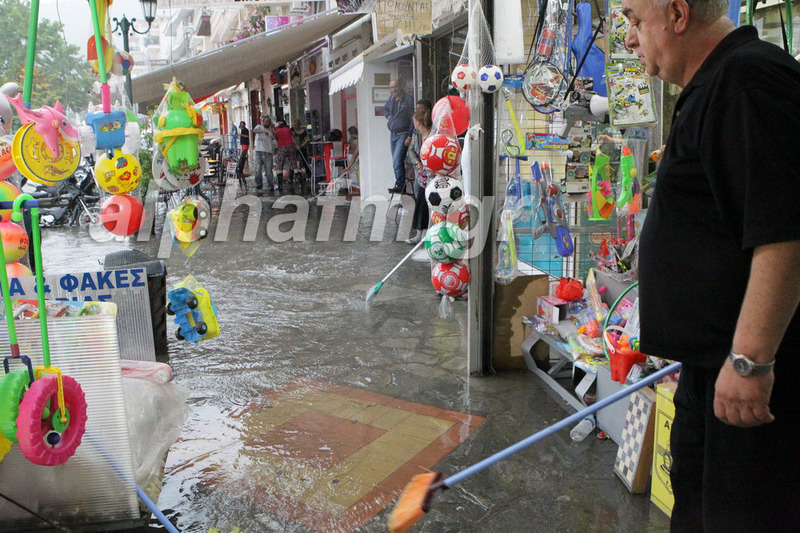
{"type": "Point", "coordinates": [601, 197]}
{"type": "Point", "coordinates": [450, 279]}
{"type": "Point", "coordinates": [119, 174]}
{"type": "Point", "coordinates": [8, 193]}
{"type": "Point", "coordinates": [168, 180]}
{"type": "Point", "coordinates": [15, 241]}
{"type": "Point", "coordinates": [463, 77]}
{"type": "Point", "coordinates": [50, 420]}
{"type": "Point", "coordinates": [629, 199]}
{"type": "Point", "coordinates": [444, 195]}
{"type": "Point", "coordinates": [122, 214]}
{"type": "Point", "coordinates": [490, 78]}
{"type": "Point", "coordinates": [178, 131]}
{"type": "Point", "coordinates": [445, 242]}
{"type": "Point", "coordinates": [6, 113]}
{"type": "Point", "coordinates": [107, 57]}
{"type": "Point", "coordinates": [440, 153]}
{"type": "Point", "coordinates": [45, 149]}
{"type": "Point", "coordinates": [195, 314]}
{"type": "Point", "coordinates": [189, 224]}
{"type": "Point", "coordinates": [450, 115]}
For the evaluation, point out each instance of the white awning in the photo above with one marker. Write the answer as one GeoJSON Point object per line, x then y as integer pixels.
{"type": "Point", "coordinates": [347, 76]}
{"type": "Point", "coordinates": [352, 72]}
{"type": "Point", "coordinates": [207, 73]}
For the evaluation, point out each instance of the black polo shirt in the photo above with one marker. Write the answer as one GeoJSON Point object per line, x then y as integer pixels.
{"type": "Point", "coordinates": [729, 181]}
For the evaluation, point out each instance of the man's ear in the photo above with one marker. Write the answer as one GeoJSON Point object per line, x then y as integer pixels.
{"type": "Point", "coordinates": [679, 15]}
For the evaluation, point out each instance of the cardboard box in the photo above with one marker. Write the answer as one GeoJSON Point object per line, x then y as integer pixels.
{"type": "Point", "coordinates": [511, 303]}
{"type": "Point", "coordinates": [552, 309]}
{"type": "Point", "coordinates": [661, 486]}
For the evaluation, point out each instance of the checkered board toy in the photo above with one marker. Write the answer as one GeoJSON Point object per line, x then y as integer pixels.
{"type": "Point", "coordinates": [635, 453]}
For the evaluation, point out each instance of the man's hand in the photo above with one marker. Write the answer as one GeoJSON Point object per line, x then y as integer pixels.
{"type": "Point", "coordinates": [408, 142]}
{"type": "Point", "coordinates": [743, 401]}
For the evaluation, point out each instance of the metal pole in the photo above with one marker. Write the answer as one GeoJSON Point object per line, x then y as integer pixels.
{"type": "Point", "coordinates": [125, 26]}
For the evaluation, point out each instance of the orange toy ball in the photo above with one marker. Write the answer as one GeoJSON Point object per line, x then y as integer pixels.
{"type": "Point", "coordinates": [8, 193]}
{"type": "Point", "coordinates": [15, 241]}
{"type": "Point", "coordinates": [122, 214]}
{"type": "Point", "coordinates": [18, 270]}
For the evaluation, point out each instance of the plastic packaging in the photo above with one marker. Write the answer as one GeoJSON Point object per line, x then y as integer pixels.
{"type": "Point", "coordinates": [583, 429]}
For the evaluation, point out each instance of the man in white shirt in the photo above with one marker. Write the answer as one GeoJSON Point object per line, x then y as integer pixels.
{"type": "Point", "coordinates": [264, 143]}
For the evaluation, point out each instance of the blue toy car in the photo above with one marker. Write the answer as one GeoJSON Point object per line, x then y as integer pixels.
{"type": "Point", "coordinates": [195, 314]}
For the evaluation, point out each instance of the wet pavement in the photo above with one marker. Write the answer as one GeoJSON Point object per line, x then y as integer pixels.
{"type": "Point", "coordinates": [310, 412]}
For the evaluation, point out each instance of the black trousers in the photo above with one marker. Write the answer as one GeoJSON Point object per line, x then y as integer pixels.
{"type": "Point", "coordinates": [729, 479]}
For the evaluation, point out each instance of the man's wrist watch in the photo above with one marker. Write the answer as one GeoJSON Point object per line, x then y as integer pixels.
{"type": "Point", "coordinates": [746, 367]}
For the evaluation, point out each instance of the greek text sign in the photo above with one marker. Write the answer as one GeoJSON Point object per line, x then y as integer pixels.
{"type": "Point", "coordinates": [407, 16]}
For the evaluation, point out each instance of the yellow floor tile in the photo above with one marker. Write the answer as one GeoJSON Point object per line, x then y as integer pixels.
{"type": "Point", "coordinates": [424, 427]}
{"type": "Point", "coordinates": [349, 493]}
{"type": "Point", "coordinates": [371, 413]}
{"type": "Point", "coordinates": [390, 419]}
{"type": "Point", "coordinates": [347, 410]}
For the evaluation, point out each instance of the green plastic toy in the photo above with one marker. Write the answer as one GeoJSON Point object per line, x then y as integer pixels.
{"type": "Point", "coordinates": [178, 129]}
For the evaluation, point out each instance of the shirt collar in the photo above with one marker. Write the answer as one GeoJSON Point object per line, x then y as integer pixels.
{"type": "Point", "coordinates": [733, 40]}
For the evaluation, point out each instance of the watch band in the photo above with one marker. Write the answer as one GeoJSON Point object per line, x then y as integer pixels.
{"type": "Point", "coordinates": [749, 368]}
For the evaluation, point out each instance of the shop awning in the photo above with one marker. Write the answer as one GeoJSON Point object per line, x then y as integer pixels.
{"type": "Point", "coordinates": [210, 72]}
{"type": "Point", "coordinates": [352, 71]}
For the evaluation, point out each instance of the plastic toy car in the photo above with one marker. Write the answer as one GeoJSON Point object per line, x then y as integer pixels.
{"type": "Point", "coordinates": [195, 314]}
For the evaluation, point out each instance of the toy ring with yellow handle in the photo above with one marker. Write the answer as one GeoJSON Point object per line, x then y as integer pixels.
{"type": "Point", "coordinates": [119, 174]}
{"type": "Point", "coordinates": [34, 161]}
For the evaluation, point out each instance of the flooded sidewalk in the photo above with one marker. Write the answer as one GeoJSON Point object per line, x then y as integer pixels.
{"type": "Point", "coordinates": [309, 413]}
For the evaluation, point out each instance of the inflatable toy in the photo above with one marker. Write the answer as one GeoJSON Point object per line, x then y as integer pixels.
{"type": "Point", "coordinates": [178, 131]}
{"type": "Point", "coordinates": [8, 193]}
{"type": "Point", "coordinates": [444, 194]}
{"type": "Point", "coordinates": [7, 166]}
{"type": "Point", "coordinates": [463, 77]}
{"type": "Point", "coordinates": [195, 314]}
{"type": "Point", "coordinates": [45, 149]}
{"type": "Point", "coordinates": [440, 153]}
{"type": "Point", "coordinates": [6, 113]}
{"type": "Point", "coordinates": [445, 242]}
{"type": "Point", "coordinates": [189, 220]}
{"type": "Point", "coordinates": [122, 214]}
{"type": "Point", "coordinates": [17, 270]}
{"type": "Point", "coordinates": [108, 54]}
{"type": "Point", "coordinates": [490, 78]}
{"type": "Point", "coordinates": [15, 241]}
{"type": "Point", "coordinates": [450, 115]}
{"type": "Point", "coordinates": [450, 279]}
{"type": "Point", "coordinates": [118, 174]}
{"type": "Point", "coordinates": [174, 181]}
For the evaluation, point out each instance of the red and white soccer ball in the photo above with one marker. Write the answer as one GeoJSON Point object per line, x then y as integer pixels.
{"type": "Point", "coordinates": [463, 77]}
{"type": "Point", "coordinates": [450, 279]}
{"type": "Point", "coordinates": [459, 217]}
{"type": "Point", "coordinates": [440, 153]}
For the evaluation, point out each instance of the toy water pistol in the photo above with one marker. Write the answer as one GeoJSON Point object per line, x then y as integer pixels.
{"type": "Point", "coordinates": [178, 131]}
{"type": "Point", "coordinates": [551, 210]}
{"type": "Point", "coordinates": [601, 196]}
{"type": "Point", "coordinates": [629, 199]}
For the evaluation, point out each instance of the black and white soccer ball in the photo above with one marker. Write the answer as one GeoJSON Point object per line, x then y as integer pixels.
{"type": "Point", "coordinates": [444, 194]}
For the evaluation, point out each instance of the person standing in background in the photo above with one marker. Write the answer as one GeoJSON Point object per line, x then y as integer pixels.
{"type": "Point", "coordinates": [244, 139]}
{"type": "Point", "coordinates": [422, 129]}
{"type": "Point", "coordinates": [301, 141]}
{"type": "Point", "coordinates": [398, 112]}
{"type": "Point", "coordinates": [264, 145]}
{"type": "Point", "coordinates": [351, 170]}
{"type": "Point", "coordinates": [286, 154]}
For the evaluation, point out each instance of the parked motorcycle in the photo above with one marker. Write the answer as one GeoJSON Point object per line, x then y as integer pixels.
{"type": "Point", "coordinates": [74, 200]}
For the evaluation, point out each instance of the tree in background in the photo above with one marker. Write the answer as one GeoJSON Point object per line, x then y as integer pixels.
{"type": "Point", "coordinates": [60, 72]}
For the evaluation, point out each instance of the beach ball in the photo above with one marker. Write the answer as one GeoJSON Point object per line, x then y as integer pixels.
{"type": "Point", "coordinates": [118, 174]}
{"type": "Point", "coordinates": [17, 270]}
{"type": "Point", "coordinates": [8, 193]}
{"type": "Point", "coordinates": [450, 279]}
{"type": "Point", "coordinates": [440, 153]}
{"type": "Point", "coordinates": [444, 194]}
{"type": "Point", "coordinates": [463, 77]}
{"type": "Point", "coordinates": [122, 214]}
{"type": "Point", "coordinates": [445, 242]}
{"type": "Point", "coordinates": [451, 115]}
{"type": "Point", "coordinates": [15, 241]}
{"type": "Point", "coordinates": [490, 78]}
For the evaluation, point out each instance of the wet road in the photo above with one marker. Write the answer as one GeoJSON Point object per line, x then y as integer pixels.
{"type": "Point", "coordinates": [294, 335]}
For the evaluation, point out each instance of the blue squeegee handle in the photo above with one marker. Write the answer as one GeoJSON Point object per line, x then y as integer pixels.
{"type": "Point", "coordinates": [569, 421]}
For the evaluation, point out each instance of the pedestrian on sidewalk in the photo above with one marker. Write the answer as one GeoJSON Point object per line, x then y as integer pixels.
{"type": "Point", "coordinates": [720, 293]}
{"type": "Point", "coordinates": [398, 112]}
{"type": "Point", "coordinates": [264, 145]}
{"type": "Point", "coordinates": [422, 129]}
{"type": "Point", "coordinates": [244, 139]}
{"type": "Point", "coordinates": [286, 153]}
{"type": "Point", "coordinates": [350, 172]}
{"type": "Point", "coordinates": [301, 141]}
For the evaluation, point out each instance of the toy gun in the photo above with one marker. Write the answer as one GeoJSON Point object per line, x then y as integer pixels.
{"type": "Point", "coordinates": [630, 194]}
{"type": "Point", "coordinates": [601, 197]}
{"type": "Point", "coordinates": [584, 106]}
{"type": "Point", "coordinates": [551, 211]}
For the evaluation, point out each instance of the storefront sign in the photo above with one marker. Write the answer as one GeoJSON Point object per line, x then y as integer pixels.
{"type": "Point", "coordinates": [409, 16]}
{"type": "Point", "coordinates": [313, 65]}
{"type": "Point", "coordinates": [273, 23]}
{"type": "Point", "coordinates": [125, 287]}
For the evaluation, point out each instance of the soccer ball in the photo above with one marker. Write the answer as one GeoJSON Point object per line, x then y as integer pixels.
{"type": "Point", "coordinates": [445, 242]}
{"type": "Point", "coordinates": [450, 279]}
{"type": "Point", "coordinates": [463, 77]}
{"type": "Point", "coordinates": [440, 153]}
{"type": "Point", "coordinates": [459, 217]}
{"type": "Point", "coordinates": [444, 195]}
{"type": "Point", "coordinates": [490, 78]}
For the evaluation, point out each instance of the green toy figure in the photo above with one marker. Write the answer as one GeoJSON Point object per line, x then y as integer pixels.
{"type": "Point", "coordinates": [179, 129]}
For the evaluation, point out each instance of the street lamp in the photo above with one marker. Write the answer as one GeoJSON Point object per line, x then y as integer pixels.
{"type": "Point", "coordinates": [126, 26]}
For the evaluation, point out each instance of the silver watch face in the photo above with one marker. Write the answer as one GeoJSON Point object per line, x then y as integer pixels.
{"type": "Point", "coordinates": [742, 366]}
